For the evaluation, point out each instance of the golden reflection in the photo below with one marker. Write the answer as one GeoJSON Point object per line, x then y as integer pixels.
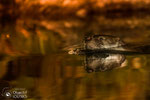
{"type": "Point", "coordinates": [57, 79]}
{"type": "Point", "coordinates": [33, 33]}
{"type": "Point", "coordinates": [137, 63]}
{"type": "Point", "coordinates": [3, 68]}
{"type": "Point", "coordinates": [7, 36]}
{"type": "Point", "coordinates": [81, 13]}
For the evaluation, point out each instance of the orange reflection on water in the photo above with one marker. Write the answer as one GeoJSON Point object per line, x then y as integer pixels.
{"type": "Point", "coordinates": [137, 63]}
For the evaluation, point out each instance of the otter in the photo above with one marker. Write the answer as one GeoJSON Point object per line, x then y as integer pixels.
{"type": "Point", "coordinates": [92, 44]}
{"type": "Point", "coordinates": [104, 52]}
{"type": "Point", "coordinates": [109, 44]}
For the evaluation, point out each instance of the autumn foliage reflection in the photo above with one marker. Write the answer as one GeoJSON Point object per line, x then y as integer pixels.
{"type": "Point", "coordinates": [34, 33]}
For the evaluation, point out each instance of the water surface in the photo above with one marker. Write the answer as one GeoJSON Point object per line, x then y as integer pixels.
{"type": "Point", "coordinates": [32, 56]}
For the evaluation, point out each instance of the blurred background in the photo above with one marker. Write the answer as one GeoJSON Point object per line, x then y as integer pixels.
{"type": "Point", "coordinates": [34, 33]}
{"type": "Point", "coordinates": [45, 26]}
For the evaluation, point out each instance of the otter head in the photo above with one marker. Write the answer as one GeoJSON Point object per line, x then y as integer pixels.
{"type": "Point", "coordinates": [102, 42]}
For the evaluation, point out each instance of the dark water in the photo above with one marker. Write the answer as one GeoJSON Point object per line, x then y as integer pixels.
{"type": "Point", "coordinates": [62, 77]}
{"type": "Point", "coordinates": [33, 56]}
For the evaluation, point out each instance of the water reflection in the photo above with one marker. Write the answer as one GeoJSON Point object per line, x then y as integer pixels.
{"type": "Point", "coordinates": [31, 57]}
{"type": "Point", "coordinates": [62, 77]}
{"type": "Point", "coordinates": [103, 62]}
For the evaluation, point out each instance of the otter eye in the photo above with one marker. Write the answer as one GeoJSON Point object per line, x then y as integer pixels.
{"type": "Point", "coordinates": [89, 38]}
